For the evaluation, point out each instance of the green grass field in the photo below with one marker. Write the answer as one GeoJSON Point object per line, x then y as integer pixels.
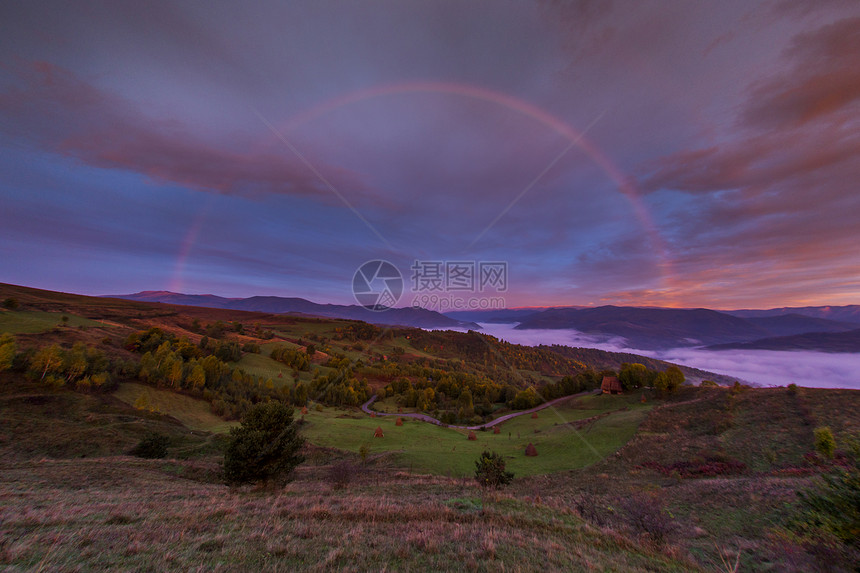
{"type": "Point", "coordinates": [263, 366]}
{"type": "Point", "coordinates": [426, 448]}
{"type": "Point", "coordinates": [194, 414]}
{"type": "Point", "coordinates": [35, 321]}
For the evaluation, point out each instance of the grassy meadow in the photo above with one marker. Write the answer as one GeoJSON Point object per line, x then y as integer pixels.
{"type": "Point", "coordinates": [34, 321]}
{"type": "Point", "coordinates": [192, 413]}
{"type": "Point", "coordinates": [426, 448]}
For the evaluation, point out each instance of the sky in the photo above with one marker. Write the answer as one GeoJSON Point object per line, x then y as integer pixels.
{"type": "Point", "coordinates": [661, 153]}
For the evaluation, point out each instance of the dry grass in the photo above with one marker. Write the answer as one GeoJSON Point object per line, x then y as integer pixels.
{"type": "Point", "coordinates": [122, 513]}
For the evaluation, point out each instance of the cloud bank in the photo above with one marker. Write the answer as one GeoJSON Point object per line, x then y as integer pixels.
{"type": "Point", "coordinates": [762, 367]}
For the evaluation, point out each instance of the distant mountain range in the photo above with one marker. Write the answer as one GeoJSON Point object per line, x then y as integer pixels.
{"type": "Point", "coordinates": [849, 313]}
{"type": "Point", "coordinates": [658, 328]}
{"type": "Point", "coordinates": [416, 317]}
{"type": "Point", "coordinates": [823, 328]}
{"type": "Point", "coordinates": [814, 341]}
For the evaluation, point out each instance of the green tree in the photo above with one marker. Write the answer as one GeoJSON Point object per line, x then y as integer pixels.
{"type": "Point", "coordinates": [528, 398]}
{"type": "Point", "coordinates": [265, 447]}
{"type": "Point", "coordinates": [825, 443]}
{"type": "Point", "coordinates": [7, 351]}
{"type": "Point", "coordinates": [633, 376]}
{"type": "Point", "coordinates": [669, 381]}
{"type": "Point", "coordinates": [490, 470]}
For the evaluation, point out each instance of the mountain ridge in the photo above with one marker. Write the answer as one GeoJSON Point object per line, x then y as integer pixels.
{"type": "Point", "coordinates": [415, 317]}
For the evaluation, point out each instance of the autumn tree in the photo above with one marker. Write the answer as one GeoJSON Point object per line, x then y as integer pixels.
{"type": "Point", "coordinates": [669, 381]}
{"type": "Point", "coordinates": [47, 361]}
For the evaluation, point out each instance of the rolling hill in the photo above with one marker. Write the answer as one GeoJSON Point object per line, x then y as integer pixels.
{"type": "Point", "coordinates": [655, 328]}
{"type": "Point", "coordinates": [848, 313]}
{"type": "Point", "coordinates": [813, 341]}
{"type": "Point", "coordinates": [649, 328]}
{"type": "Point", "coordinates": [417, 317]}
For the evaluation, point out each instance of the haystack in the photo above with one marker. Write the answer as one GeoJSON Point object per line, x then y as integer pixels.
{"type": "Point", "coordinates": [531, 450]}
{"type": "Point", "coordinates": [399, 422]}
{"type": "Point", "coordinates": [378, 433]}
{"type": "Point", "coordinates": [304, 410]}
{"type": "Point", "coordinates": [472, 436]}
{"type": "Point", "coordinates": [534, 415]}
{"type": "Point", "coordinates": [497, 430]}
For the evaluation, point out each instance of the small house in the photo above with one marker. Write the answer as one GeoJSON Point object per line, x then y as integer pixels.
{"type": "Point", "coordinates": [610, 385]}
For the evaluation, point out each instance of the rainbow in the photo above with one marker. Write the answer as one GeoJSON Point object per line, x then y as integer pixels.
{"type": "Point", "coordinates": [176, 282]}
{"type": "Point", "coordinates": [623, 184]}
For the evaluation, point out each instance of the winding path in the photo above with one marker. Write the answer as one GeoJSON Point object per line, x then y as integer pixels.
{"type": "Point", "coordinates": [431, 420]}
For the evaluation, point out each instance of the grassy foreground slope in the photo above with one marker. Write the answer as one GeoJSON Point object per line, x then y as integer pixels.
{"type": "Point", "coordinates": [71, 499]}
{"type": "Point", "coordinates": [117, 513]}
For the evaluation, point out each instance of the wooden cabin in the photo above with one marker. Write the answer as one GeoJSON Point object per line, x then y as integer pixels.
{"type": "Point", "coordinates": [610, 385]}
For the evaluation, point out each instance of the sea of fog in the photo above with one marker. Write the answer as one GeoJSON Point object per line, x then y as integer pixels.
{"type": "Point", "coordinates": [762, 367]}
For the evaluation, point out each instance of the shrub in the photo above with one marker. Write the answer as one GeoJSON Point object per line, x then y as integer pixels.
{"type": "Point", "coordinates": [792, 388]}
{"type": "Point", "coordinates": [646, 516]}
{"type": "Point", "coordinates": [7, 351]}
{"type": "Point", "coordinates": [10, 303]}
{"type": "Point", "coordinates": [265, 447]}
{"type": "Point", "coordinates": [589, 508]}
{"type": "Point", "coordinates": [153, 446]}
{"type": "Point", "coordinates": [364, 451]}
{"type": "Point", "coordinates": [490, 470]}
{"type": "Point", "coordinates": [340, 474]}
{"type": "Point", "coordinates": [825, 444]}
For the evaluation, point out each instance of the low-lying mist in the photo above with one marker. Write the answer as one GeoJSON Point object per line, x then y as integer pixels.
{"type": "Point", "coordinates": [762, 367]}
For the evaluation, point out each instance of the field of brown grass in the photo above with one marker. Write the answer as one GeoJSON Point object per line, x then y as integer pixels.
{"type": "Point", "coordinates": [123, 513]}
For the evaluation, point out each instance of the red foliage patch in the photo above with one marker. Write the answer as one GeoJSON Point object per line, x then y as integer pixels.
{"type": "Point", "coordinates": [708, 467]}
